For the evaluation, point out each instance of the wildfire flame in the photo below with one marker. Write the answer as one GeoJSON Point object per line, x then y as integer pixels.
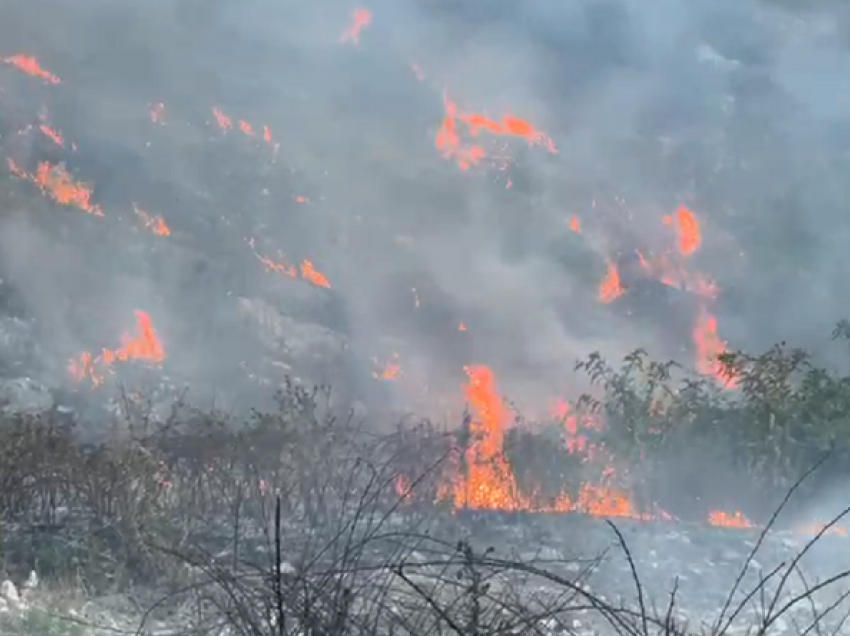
{"type": "Point", "coordinates": [450, 143]}
{"type": "Point", "coordinates": [155, 223]}
{"type": "Point", "coordinates": [360, 19]}
{"type": "Point", "coordinates": [225, 123]}
{"type": "Point", "coordinates": [307, 271]}
{"type": "Point", "coordinates": [144, 346]}
{"type": "Point", "coordinates": [690, 237]}
{"type": "Point", "coordinates": [389, 370]}
{"type": "Point", "coordinates": [57, 184]}
{"type": "Point", "coordinates": [729, 520]}
{"type": "Point", "coordinates": [709, 346]}
{"type": "Point", "coordinates": [610, 288]}
{"type": "Point", "coordinates": [486, 479]}
{"type": "Point", "coordinates": [31, 66]}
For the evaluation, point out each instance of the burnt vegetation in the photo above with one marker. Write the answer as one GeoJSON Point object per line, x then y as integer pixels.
{"type": "Point", "coordinates": [302, 521]}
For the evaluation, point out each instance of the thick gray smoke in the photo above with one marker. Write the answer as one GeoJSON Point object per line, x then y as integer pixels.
{"type": "Point", "coordinates": [737, 109]}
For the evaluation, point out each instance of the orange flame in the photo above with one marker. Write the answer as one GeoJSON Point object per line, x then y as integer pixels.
{"type": "Point", "coordinates": [488, 482]}
{"type": "Point", "coordinates": [814, 529]}
{"type": "Point", "coordinates": [389, 370]}
{"type": "Point", "coordinates": [360, 19]}
{"type": "Point", "coordinates": [690, 237]}
{"type": "Point", "coordinates": [55, 182]}
{"type": "Point", "coordinates": [30, 66]}
{"type": "Point", "coordinates": [52, 134]}
{"type": "Point", "coordinates": [145, 346]}
{"type": "Point", "coordinates": [308, 271]}
{"type": "Point", "coordinates": [708, 347]}
{"type": "Point", "coordinates": [224, 122]}
{"type": "Point", "coordinates": [155, 223]}
{"type": "Point", "coordinates": [727, 520]}
{"type": "Point", "coordinates": [449, 143]}
{"type": "Point", "coordinates": [610, 288]}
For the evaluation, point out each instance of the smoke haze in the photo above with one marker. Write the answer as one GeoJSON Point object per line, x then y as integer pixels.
{"type": "Point", "coordinates": [737, 110]}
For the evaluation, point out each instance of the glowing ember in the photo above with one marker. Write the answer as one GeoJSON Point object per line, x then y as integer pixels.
{"type": "Point", "coordinates": [52, 134]}
{"type": "Point", "coordinates": [224, 122]}
{"type": "Point", "coordinates": [817, 528]}
{"type": "Point", "coordinates": [307, 271]}
{"type": "Point", "coordinates": [16, 170]}
{"type": "Point", "coordinates": [155, 223]}
{"type": "Point", "coordinates": [158, 113]}
{"type": "Point", "coordinates": [389, 370]}
{"type": "Point", "coordinates": [360, 19]}
{"type": "Point", "coordinates": [144, 346]}
{"type": "Point", "coordinates": [30, 66]}
{"type": "Point", "coordinates": [487, 481]}
{"type": "Point", "coordinates": [729, 520]}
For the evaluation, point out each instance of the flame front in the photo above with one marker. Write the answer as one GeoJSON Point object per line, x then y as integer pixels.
{"type": "Point", "coordinates": [307, 270]}
{"type": "Point", "coordinates": [31, 66]}
{"type": "Point", "coordinates": [144, 346]}
{"type": "Point", "coordinates": [155, 223]}
{"type": "Point", "coordinates": [450, 143]}
{"type": "Point", "coordinates": [488, 482]}
{"type": "Point", "coordinates": [57, 184]}
{"type": "Point", "coordinates": [485, 481]}
{"type": "Point", "coordinates": [729, 520]}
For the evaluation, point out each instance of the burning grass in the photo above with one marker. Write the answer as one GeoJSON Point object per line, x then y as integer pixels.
{"type": "Point", "coordinates": [358, 522]}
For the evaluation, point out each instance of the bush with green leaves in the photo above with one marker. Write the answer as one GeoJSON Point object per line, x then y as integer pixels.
{"type": "Point", "coordinates": [678, 438]}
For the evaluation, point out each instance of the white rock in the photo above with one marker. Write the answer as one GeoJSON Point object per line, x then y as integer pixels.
{"type": "Point", "coordinates": [32, 581]}
{"type": "Point", "coordinates": [9, 592]}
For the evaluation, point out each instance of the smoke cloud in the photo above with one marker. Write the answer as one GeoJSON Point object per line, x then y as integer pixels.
{"type": "Point", "coordinates": [736, 110]}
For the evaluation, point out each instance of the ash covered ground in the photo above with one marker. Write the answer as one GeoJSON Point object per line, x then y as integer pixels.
{"type": "Point", "coordinates": [375, 195]}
